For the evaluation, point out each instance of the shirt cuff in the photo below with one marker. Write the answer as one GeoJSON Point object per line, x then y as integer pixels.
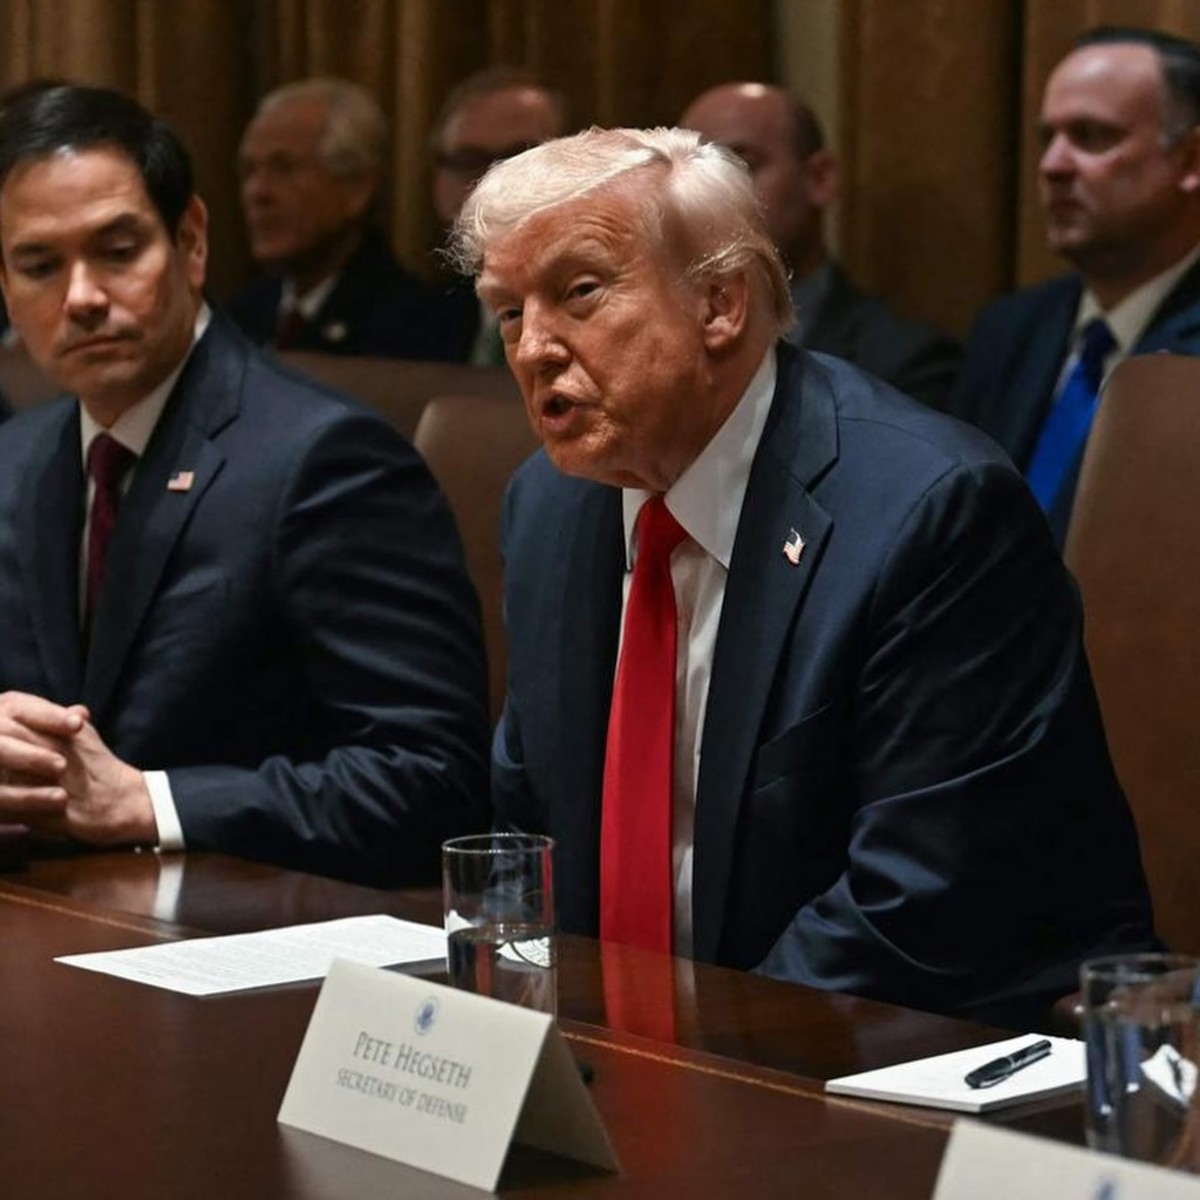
{"type": "Point", "coordinates": [166, 817]}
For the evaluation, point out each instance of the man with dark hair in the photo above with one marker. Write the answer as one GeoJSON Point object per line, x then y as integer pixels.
{"type": "Point", "coordinates": [488, 117]}
{"type": "Point", "coordinates": [796, 676]}
{"type": "Point", "coordinates": [312, 166]}
{"type": "Point", "coordinates": [1119, 184]}
{"type": "Point", "coordinates": [795, 175]}
{"type": "Point", "coordinates": [233, 611]}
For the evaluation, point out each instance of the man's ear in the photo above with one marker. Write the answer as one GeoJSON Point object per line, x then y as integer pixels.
{"type": "Point", "coordinates": [1189, 149]}
{"type": "Point", "coordinates": [192, 240]}
{"type": "Point", "coordinates": [821, 178]}
{"type": "Point", "coordinates": [726, 310]}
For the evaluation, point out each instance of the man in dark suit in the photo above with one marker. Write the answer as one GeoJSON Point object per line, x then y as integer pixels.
{"type": "Point", "coordinates": [247, 627]}
{"type": "Point", "coordinates": [795, 175]}
{"type": "Point", "coordinates": [1119, 184]}
{"type": "Point", "coordinates": [311, 162]}
{"type": "Point", "coordinates": [852, 740]}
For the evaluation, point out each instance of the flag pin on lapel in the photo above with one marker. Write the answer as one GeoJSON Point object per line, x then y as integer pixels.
{"type": "Point", "coordinates": [181, 481]}
{"type": "Point", "coordinates": [793, 547]}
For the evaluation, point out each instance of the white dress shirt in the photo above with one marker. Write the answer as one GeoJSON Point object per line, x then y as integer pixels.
{"type": "Point", "coordinates": [1126, 320]}
{"type": "Point", "coordinates": [707, 501]}
{"type": "Point", "coordinates": [308, 305]}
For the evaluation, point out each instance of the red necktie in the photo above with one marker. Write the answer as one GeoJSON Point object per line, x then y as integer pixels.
{"type": "Point", "coordinates": [635, 823]}
{"type": "Point", "coordinates": [107, 463]}
{"type": "Point", "coordinates": [639, 992]}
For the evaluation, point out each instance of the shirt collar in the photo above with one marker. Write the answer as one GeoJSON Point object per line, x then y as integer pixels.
{"type": "Point", "coordinates": [1128, 319]}
{"type": "Point", "coordinates": [310, 303]}
{"type": "Point", "coordinates": [707, 498]}
{"type": "Point", "coordinates": [135, 425]}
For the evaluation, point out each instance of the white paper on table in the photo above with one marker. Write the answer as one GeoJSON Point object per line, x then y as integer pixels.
{"type": "Point", "coordinates": [938, 1082]}
{"type": "Point", "coordinates": [212, 965]}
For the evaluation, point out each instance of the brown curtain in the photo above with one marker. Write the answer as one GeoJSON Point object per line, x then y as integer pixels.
{"type": "Point", "coordinates": [939, 107]}
{"type": "Point", "coordinates": [930, 96]}
{"type": "Point", "coordinates": [938, 102]}
{"type": "Point", "coordinates": [203, 63]}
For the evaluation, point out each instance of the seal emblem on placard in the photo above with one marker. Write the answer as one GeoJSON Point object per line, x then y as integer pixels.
{"type": "Point", "coordinates": [426, 1017]}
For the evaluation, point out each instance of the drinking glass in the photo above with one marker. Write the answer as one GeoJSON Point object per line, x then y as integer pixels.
{"type": "Point", "coordinates": [1140, 1016]}
{"type": "Point", "coordinates": [498, 890]}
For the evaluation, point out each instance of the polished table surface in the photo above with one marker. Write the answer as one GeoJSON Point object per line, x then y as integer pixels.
{"type": "Point", "coordinates": [110, 1088]}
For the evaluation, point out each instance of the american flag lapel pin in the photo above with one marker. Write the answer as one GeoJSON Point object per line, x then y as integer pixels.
{"type": "Point", "coordinates": [181, 481]}
{"type": "Point", "coordinates": [793, 547]}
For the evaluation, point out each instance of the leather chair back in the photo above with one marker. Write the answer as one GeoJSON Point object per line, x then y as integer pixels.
{"type": "Point", "coordinates": [473, 444]}
{"type": "Point", "coordinates": [1134, 546]}
{"type": "Point", "coordinates": [399, 388]}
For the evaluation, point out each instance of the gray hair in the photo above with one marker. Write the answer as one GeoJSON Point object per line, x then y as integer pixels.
{"type": "Point", "coordinates": [705, 194]}
{"type": "Point", "coordinates": [354, 140]}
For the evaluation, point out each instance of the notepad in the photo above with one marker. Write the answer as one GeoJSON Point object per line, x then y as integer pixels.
{"type": "Point", "coordinates": [938, 1082]}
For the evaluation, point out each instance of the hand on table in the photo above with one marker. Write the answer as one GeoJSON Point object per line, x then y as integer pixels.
{"type": "Point", "coordinates": [58, 777]}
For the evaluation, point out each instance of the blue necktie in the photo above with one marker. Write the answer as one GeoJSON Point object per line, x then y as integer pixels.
{"type": "Point", "coordinates": [1061, 441]}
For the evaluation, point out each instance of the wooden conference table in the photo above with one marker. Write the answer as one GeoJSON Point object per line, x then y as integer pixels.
{"type": "Point", "coordinates": [113, 1089]}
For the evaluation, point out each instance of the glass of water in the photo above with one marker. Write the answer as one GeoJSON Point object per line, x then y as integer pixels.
{"type": "Point", "coordinates": [499, 902]}
{"type": "Point", "coordinates": [1140, 1014]}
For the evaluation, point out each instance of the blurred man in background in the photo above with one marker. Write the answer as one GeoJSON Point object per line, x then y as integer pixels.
{"type": "Point", "coordinates": [312, 166]}
{"type": "Point", "coordinates": [795, 175]}
{"type": "Point", "coordinates": [489, 116]}
{"type": "Point", "coordinates": [1119, 185]}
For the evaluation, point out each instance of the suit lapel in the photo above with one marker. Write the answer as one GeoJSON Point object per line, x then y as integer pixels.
{"type": "Point", "coordinates": [591, 617]}
{"type": "Point", "coordinates": [762, 596]}
{"type": "Point", "coordinates": [153, 515]}
{"type": "Point", "coordinates": [51, 520]}
{"type": "Point", "coordinates": [337, 323]}
{"type": "Point", "coordinates": [1032, 390]}
{"type": "Point", "coordinates": [1177, 317]}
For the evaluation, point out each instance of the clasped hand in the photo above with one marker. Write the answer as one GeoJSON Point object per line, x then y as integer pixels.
{"type": "Point", "coordinates": [58, 777]}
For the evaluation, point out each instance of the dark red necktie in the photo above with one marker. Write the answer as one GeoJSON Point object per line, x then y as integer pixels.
{"type": "Point", "coordinates": [108, 462]}
{"type": "Point", "coordinates": [292, 324]}
{"type": "Point", "coordinates": [635, 825]}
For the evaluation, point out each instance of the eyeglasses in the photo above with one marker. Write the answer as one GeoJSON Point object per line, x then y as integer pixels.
{"type": "Point", "coordinates": [473, 161]}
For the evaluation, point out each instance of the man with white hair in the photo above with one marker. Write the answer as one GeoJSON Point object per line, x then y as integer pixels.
{"type": "Point", "coordinates": [312, 164]}
{"type": "Point", "coordinates": [796, 678]}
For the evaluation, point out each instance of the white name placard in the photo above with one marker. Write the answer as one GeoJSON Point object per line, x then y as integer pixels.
{"type": "Point", "coordinates": [984, 1163]}
{"type": "Point", "coordinates": [437, 1078]}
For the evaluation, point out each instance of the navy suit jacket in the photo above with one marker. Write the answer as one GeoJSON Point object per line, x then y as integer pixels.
{"type": "Point", "coordinates": [287, 629]}
{"type": "Point", "coordinates": [916, 359]}
{"type": "Point", "coordinates": [376, 308]}
{"type": "Point", "coordinates": [1016, 351]}
{"type": "Point", "coordinates": [904, 789]}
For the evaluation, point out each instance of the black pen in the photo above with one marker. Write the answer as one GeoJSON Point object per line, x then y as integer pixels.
{"type": "Point", "coordinates": [1001, 1068]}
